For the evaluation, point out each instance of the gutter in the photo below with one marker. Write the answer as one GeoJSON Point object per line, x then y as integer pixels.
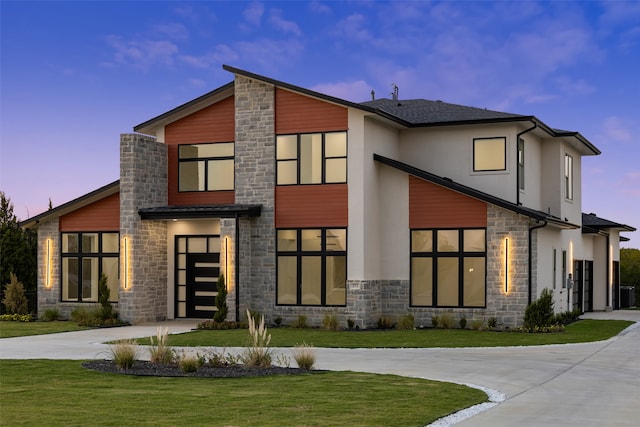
{"type": "Point", "coordinates": [535, 125]}
{"type": "Point", "coordinates": [530, 273]}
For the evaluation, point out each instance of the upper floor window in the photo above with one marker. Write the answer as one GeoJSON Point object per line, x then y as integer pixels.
{"type": "Point", "coordinates": [568, 176]}
{"type": "Point", "coordinates": [489, 154]}
{"type": "Point", "coordinates": [85, 256]}
{"type": "Point", "coordinates": [311, 158]}
{"type": "Point", "coordinates": [521, 164]}
{"type": "Point", "coordinates": [206, 167]}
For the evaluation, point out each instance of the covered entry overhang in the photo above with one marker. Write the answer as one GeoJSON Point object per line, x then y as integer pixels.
{"type": "Point", "coordinates": [203, 242]}
{"type": "Point", "coordinates": [200, 212]}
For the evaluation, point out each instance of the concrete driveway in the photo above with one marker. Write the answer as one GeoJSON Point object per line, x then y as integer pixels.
{"type": "Point", "coordinates": [593, 384]}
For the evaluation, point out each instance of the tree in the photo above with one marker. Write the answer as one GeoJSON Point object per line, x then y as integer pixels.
{"type": "Point", "coordinates": [221, 301]}
{"type": "Point", "coordinates": [630, 269]}
{"type": "Point", "coordinates": [14, 299]}
{"type": "Point", "coordinates": [18, 249]}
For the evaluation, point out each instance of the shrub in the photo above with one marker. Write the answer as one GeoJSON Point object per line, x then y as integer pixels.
{"type": "Point", "coordinates": [14, 299]}
{"type": "Point", "coordinates": [406, 322]}
{"type": "Point", "coordinates": [159, 351]}
{"type": "Point", "coordinates": [435, 320]}
{"type": "Point", "coordinates": [277, 320]}
{"type": "Point", "coordinates": [463, 322]}
{"type": "Point", "coordinates": [257, 354]}
{"type": "Point", "coordinates": [477, 324]}
{"type": "Point", "coordinates": [51, 314]}
{"type": "Point", "coordinates": [540, 312]}
{"type": "Point", "coordinates": [189, 362]}
{"type": "Point", "coordinates": [385, 322]}
{"type": "Point", "coordinates": [350, 323]}
{"type": "Point", "coordinates": [212, 324]}
{"type": "Point", "coordinates": [330, 322]}
{"type": "Point", "coordinates": [16, 317]}
{"type": "Point", "coordinates": [221, 301]}
{"type": "Point", "coordinates": [567, 317]}
{"type": "Point", "coordinates": [104, 295]}
{"type": "Point", "coordinates": [85, 317]}
{"type": "Point", "coordinates": [124, 353]}
{"type": "Point", "coordinates": [300, 322]}
{"type": "Point", "coordinates": [304, 355]}
{"type": "Point", "coordinates": [220, 359]}
{"type": "Point", "coordinates": [446, 321]}
{"type": "Point", "coordinates": [492, 322]}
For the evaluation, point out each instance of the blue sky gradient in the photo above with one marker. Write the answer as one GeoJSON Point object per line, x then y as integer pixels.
{"type": "Point", "coordinates": [74, 75]}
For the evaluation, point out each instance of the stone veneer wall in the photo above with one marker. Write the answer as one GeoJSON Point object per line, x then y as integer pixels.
{"type": "Point", "coordinates": [228, 231]}
{"type": "Point", "coordinates": [254, 184]}
{"type": "Point", "coordinates": [507, 308]}
{"type": "Point", "coordinates": [49, 297]}
{"type": "Point", "coordinates": [143, 184]}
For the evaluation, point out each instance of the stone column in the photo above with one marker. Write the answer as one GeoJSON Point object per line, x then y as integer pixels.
{"type": "Point", "coordinates": [49, 280]}
{"type": "Point", "coordinates": [255, 181]}
{"type": "Point", "coordinates": [143, 184]}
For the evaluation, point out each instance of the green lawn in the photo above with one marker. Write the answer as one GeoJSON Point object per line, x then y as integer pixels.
{"type": "Point", "coordinates": [581, 331]}
{"type": "Point", "coordinates": [45, 392]}
{"type": "Point", "coordinates": [20, 329]}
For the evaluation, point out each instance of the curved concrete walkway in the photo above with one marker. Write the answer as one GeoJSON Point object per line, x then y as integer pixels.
{"type": "Point", "coordinates": [590, 384]}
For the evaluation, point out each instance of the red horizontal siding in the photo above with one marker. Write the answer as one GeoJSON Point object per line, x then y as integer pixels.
{"type": "Point", "coordinates": [297, 113]}
{"type": "Point", "coordinates": [312, 206]}
{"type": "Point", "coordinates": [432, 206]}
{"type": "Point", "coordinates": [215, 123]}
{"type": "Point", "coordinates": [103, 215]}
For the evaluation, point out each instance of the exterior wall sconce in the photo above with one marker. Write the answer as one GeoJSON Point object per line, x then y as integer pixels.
{"type": "Point", "coordinates": [47, 280]}
{"type": "Point", "coordinates": [226, 262]}
{"type": "Point", "coordinates": [506, 265]}
{"type": "Point", "coordinates": [126, 264]}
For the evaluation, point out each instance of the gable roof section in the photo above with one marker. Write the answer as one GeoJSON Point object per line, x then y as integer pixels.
{"type": "Point", "coordinates": [471, 192]}
{"type": "Point", "coordinates": [74, 204]}
{"type": "Point", "coordinates": [594, 224]}
{"type": "Point", "coordinates": [407, 113]}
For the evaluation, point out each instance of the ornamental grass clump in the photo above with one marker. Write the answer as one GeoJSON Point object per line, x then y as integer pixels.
{"type": "Point", "coordinates": [159, 351]}
{"type": "Point", "coordinates": [124, 353]}
{"type": "Point", "coordinates": [189, 362]}
{"type": "Point", "coordinates": [330, 322]}
{"type": "Point", "coordinates": [304, 355]}
{"type": "Point", "coordinates": [257, 354]}
{"type": "Point", "coordinates": [406, 322]}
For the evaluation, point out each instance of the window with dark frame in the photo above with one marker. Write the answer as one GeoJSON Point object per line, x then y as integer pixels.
{"type": "Point", "coordinates": [311, 158]}
{"type": "Point", "coordinates": [206, 167]}
{"type": "Point", "coordinates": [311, 266]}
{"type": "Point", "coordinates": [489, 154]}
{"type": "Point", "coordinates": [448, 267]}
{"type": "Point", "coordinates": [85, 256]}
{"type": "Point", "coordinates": [521, 164]}
{"type": "Point", "coordinates": [568, 176]}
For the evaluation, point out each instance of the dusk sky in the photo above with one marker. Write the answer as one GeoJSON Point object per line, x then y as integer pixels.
{"type": "Point", "coordinates": [75, 75]}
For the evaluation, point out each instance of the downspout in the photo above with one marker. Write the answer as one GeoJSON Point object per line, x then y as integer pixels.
{"type": "Point", "coordinates": [535, 125]}
{"type": "Point", "coordinates": [237, 269]}
{"type": "Point", "coordinates": [609, 271]}
{"type": "Point", "coordinates": [530, 273]}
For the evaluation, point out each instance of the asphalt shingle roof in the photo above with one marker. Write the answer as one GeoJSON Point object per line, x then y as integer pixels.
{"type": "Point", "coordinates": [422, 111]}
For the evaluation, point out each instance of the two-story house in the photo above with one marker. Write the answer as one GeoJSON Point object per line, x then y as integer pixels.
{"type": "Point", "coordinates": [313, 205]}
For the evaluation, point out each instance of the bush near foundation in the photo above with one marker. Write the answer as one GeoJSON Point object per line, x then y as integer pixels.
{"type": "Point", "coordinates": [14, 299]}
{"type": "Point", "coordinates": [539, 314]}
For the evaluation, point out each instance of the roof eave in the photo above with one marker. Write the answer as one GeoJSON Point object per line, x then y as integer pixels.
{"type": "Point", "coordinates": [74, 204]}
{"type": "Point", "coordinates": [471, 192]}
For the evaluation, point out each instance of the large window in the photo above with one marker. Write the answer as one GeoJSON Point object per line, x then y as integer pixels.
{"type": "Point", "coordinates": [489, 154]}
{"type": "Point", "coordinates": [568, 176]}
{"type": "Point", "coordinates": [448, 268]}
{"type": "Point", "coordinates": [312, 158]}
{"type": "Point", "coordinates": [312, 266]}
{"type": "Point", "coordinates": [85, 256]}
{"type": "Point", "coordinates": [206, 167]}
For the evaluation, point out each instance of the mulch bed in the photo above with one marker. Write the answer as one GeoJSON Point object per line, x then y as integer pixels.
{"type": "Point", "coordinates": [144, 368]}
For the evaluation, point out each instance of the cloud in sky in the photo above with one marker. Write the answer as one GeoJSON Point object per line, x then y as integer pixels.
{"type": "Point", "coordinates": [572, 64]}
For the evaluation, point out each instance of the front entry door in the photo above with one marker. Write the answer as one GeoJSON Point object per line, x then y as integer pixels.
{"type": "Point", "coordinates": [202, 277]}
